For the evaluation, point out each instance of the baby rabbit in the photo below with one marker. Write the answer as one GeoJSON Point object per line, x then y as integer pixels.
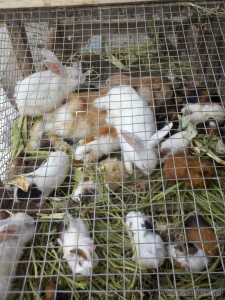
{"type": "Point", "coordinates": [113, 175]}
{"type": "Point", "coordinates": [203, 112]}
{"type": "Point", "coordinates": [135, 124]}
{"type": "Point", "coordinates": [78, 247]}
{"type": "Point", "coordinates": [194, 171]}
{"type": "Point", "coordinates": [150, 249]}
{"type": "Point", "coordinates": [15, 232]}
{"type": "Point", "coordinates": [47, 178]}
{"type": "Point", "coordinates": [201, 246]}
{"type": "Point", "coordinates": [43, 91]}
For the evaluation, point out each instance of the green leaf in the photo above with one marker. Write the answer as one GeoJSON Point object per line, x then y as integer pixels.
{"type": "Point", "coordinates": [24, 130]}
{"type": "Point", "coordinates": [189, 126]}
{"type": "Point", "coordinates": [17, 142]}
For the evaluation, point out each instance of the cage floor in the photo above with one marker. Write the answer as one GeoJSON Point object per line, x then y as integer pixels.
{"type": "Point", "coordinates": [153, 211]}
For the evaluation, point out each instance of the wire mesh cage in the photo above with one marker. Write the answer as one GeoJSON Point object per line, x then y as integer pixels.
{"type": "Point", "coordinates": [112, 152]}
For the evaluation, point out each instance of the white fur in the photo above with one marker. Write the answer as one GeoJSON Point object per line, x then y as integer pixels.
{"type": "Point", "coordinates": [43, 91]}
{"type": "Point", "coordinates": [174, 144]}
{"type": "Point", "coordinates": [12, 248]}
{"type": "Point", "coordinates": [50, 175]}
{"type": "Point", "coordinates": [199, 113]}
{"type": "Point", "coordinates": [76, 236]}
{"type": "Point", "coordinates": [194, 262]}
{"type": "Point", "coordinates": [150, 249]}
{"type": "Point", "coordinates": [135, 125]}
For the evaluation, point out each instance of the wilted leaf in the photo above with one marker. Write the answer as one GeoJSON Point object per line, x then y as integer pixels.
{"type": "Point", "coordinates": [184, 121]}
{"type": "Point", "coordinates": [20, 182]}
{"type": "Point", "coordinates": [115, 61]}
{"type": "Point", "coordinates": [55, 216]}
{"type": "Point", "coordinates": [220, 147]}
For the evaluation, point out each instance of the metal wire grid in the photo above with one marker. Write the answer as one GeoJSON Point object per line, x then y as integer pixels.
{"type": "Point", "coordinates": [184, 44]}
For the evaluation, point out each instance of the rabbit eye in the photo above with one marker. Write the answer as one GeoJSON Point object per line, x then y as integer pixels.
{"type": "Point", "coordinates": [80, 264]}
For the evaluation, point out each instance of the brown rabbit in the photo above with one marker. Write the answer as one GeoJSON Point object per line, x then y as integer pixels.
{"type": "Point", "coordinates": [192, 170]}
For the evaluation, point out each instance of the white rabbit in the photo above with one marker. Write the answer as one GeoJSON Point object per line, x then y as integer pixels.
{"type": "Point", "coordinates": [174, 144]}
{"type": "Point", "coordinates": [46, 178]}
{"type": "Point", "coordinates": [43, 91]}
{"type": "Point", "coordinates": [150, 249]}
{"type": "Point", "coordinates": [78, 247]}
{"type": "Point", "coordinates": [202, 112]}
{"type": "Point", "coordinates": [135, 124]}
{"type": "Point", "coordinates": [15, 232]}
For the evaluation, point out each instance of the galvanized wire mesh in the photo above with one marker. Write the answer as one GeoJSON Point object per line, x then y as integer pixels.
{"type": "Point", "coordinates": [179, 48]}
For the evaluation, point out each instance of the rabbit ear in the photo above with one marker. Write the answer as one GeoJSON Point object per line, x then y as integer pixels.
{"type": "Point", "coordinates": [52, 62]}
{"type": "Point", "coordinates": [159, 135]}
{"type": "Point", "coordinates": [132, 139]}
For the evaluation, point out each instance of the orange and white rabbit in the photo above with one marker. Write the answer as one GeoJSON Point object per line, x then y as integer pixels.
{"type": "Point", "coordinates": [104, 121]}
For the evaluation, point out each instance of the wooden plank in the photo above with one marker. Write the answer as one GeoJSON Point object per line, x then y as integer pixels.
{"type": "Point", "coordinates": [21, 49]}
{"type": "Point", "coordinates": [4, 4]}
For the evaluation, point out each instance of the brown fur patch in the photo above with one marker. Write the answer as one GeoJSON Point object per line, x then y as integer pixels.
{"type": "Point", "coordinates": [190, 169]}
{"type": "Point", "coordinates": [113, 172]}
{"type": "Point", "coordinates": [80, 253]}
{"type": "Point", "coordinates": [203, 238]}
{"type": "Point", "coordinates": [50, 291]}
{"type": "Point", "coordinates": [176, 264]}
{"type": "Point", "coordinates": [108, 130]}
{"type": "Point", "coordinates": [189, 93]}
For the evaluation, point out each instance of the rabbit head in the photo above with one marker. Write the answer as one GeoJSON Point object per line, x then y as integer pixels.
{"type": "Point", "coordinates": [146, 152]}
{"type": "Point", "coordinates": [73, 74]}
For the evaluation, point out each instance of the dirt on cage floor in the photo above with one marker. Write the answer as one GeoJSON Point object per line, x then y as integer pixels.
{"type": "Point", "coordinates": [122, 216]}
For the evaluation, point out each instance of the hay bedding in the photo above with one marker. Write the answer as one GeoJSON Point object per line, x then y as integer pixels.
{"type": "Point", "coordinates": [117, 275]}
